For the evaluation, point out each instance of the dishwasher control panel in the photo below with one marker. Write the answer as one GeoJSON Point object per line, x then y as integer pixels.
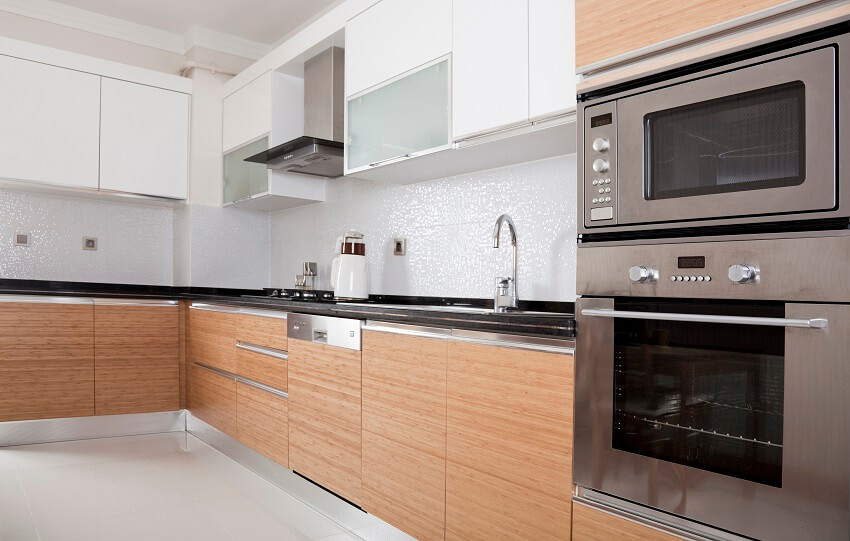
{"type": "Point", "coordinates": [331, 331]}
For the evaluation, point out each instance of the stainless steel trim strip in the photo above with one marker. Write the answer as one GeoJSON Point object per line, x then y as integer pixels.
{"type": "Point", "coordinates": [262, 350]}
{"type": "Point", "coordinates": [134, 302]}
{"type": "Point", "coordinates": [408, 330]}
{"type": "Point", "coordinates": [44, 299]}
{"type": "Point", "coordinates": [536, 343]}
{"type": "Point", "coordinates": [815, 323]}
{"type": "Point", "coordinates": [236, 377]}
{"type": "Point", "coordinates": [239, 310]}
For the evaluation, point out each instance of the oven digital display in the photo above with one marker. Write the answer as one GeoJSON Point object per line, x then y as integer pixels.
{"type": "Point", "coordinates": [601, 120]}
{"type": "Point", "coordinates": [692, 262]}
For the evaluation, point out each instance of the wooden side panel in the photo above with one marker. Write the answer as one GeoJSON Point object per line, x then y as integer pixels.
{"type": "Point", "coordinates": [262, 331]}
{"type": "Point", "coordinates": [183, 326]}
{"type": "Point", "coordinates": [137, 359]}
{"type": "Point", "coordinates": [261, 368]}
{"type": "Point", "coordinates": [594, 525]}
{"type": "Point", "coordinates": [509, 443]}
{"type": "Point", "coordinates": [262, 420]}
{"type": "Point", "coordinates": [404, 432]}
{"type": "Point", "coordinates": [324, 416]}
{"type": "Point", "coordinates": [605, 29]}
{"type": "Point", "coordinates": [212, 398]}
{"type": "Point", "coordinates": [46, 361]}
{"type": "Point", "coordinates": [212, 338]}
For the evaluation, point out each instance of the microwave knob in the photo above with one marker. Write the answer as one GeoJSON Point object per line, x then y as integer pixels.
{"type": "Point", "coordinates": [600, 165]}
{"type": "Point", "coordinates": [743, 274]}
{"type": "Point", "coordinates": [640, 274]}
{"type": "Point", "coordinates": [600, 144]}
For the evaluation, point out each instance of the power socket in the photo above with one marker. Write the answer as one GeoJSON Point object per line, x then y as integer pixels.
{"type": "Point", "coordinates": [399, 246]}
{"type": "Point", "coordinates": [90, 243]}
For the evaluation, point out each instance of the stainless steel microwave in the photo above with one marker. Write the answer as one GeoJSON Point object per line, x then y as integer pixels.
{"type": "Point", "coordinates": [761, 141]}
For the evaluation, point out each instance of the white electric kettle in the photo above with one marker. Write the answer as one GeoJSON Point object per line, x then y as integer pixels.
{"type": "Point", "coordinates": [349, 276]}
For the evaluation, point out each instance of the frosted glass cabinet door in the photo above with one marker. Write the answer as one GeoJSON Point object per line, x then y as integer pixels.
{"type": "Point", "coordinates": [407, 116]}
{"type": "Point", "coordinates": [144, 143]}
{"type": "Point", "coordinates": [245, 179]}
{"type": "Point", "coordinates": [48, 123]}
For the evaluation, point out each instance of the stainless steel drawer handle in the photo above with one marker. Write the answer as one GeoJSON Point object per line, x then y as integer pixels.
{"type": "Point", "coordinates": [817, 323]}
{"type": "Point", "coordinates": [271, 352]}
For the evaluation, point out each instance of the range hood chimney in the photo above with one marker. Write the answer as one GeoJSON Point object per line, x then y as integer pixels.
{"type": "Point", "coordinates": [320, 151]}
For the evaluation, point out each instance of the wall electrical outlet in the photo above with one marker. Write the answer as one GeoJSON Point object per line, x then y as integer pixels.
{"type": "Point", "coordinates": [90, 243]}
{"type": "Point", "coordinates": [399, 246]}
{"type": "Point", "coordinates": [22, 239]}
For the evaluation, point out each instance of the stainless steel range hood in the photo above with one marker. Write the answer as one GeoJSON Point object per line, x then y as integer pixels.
{"type": "Point", "coordinates": [320, 151]}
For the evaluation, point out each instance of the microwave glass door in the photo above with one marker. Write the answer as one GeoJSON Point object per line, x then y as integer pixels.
{"type": "Point", "coordinates": [755, 141]}
{"type": "Point", "coordinates": [706, 395]}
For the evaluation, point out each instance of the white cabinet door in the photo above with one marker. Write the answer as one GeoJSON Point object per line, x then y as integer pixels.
{"type": "Point", "coordinates": [144, 143]}
{"type": "Point", "coordinates": [247, 113]}
{"type": "Point", "coordinates": [490, 65]}
{"type": "Point", "coordinates": [552, 59]}
{"type": "Point", "coordinates": [393, 37]}
{"type": "Point", "coordinates": [48, 123]}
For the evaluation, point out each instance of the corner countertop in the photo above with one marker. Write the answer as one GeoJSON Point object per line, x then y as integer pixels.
{"type": "Point", "coordinates": [559, 324]}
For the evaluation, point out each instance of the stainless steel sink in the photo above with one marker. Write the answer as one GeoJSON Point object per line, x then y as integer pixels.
{"type": "Point", "coordinates": [458, 309]}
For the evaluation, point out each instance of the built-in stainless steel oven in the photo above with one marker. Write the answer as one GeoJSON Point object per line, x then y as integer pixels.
{"type": "Point", "coordinates": [713, 383]}
{"type": "Point", "coordinates": [763, 140]}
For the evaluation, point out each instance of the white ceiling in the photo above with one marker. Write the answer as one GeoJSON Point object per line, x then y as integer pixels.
{"type": "Point", "coordinates": [262, 21]}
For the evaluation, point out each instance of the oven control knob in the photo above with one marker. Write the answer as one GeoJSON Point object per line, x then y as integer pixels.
{"type": "Point", "coordinates": [641, 275]}
{"type": "Point", "coordinates": [600, 165]}
{"type": "Point", "coordinates": [743, 274]}
{"type": "Point", "coordinates": [600, 144]}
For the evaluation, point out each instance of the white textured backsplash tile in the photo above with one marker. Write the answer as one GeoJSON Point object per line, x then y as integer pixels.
{"type": "Point", "coordinates": [134, 241]}
{"type": "Point", "coordinates": [448, 225]}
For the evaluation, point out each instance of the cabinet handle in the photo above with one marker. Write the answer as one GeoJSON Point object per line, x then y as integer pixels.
{"type": "Point", "coordinates": [394, 158]}
{"type": "Point", "coordinates": [816, 323]}
{"type": "Point", "coordinates": [246, 381]}
{"type": "Point", "coordinates": [271, 352]}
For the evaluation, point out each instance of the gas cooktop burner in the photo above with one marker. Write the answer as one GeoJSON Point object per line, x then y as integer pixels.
{"type": "Point", "coordinates": [301, 294]}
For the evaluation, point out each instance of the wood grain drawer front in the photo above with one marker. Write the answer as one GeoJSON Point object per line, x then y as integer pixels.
{"type": "Point", "coordinates": [262, 331]}
{"type": "Point", "coordinates": [212, 399]}
{"type": "Point", "coordinates": [262, 420]}
{"type": "Point", "coordinates": [606, 29]}
{"type": "Point", "coordinates": [404, 432]}
{"type": "Point", "coordinates": [324, 416]}
{"type": "Point", "coordinates": [262, 368]}
{"type": "Point", "coordinates": [46, 360]}
{"type": "Point", "coordinates": [137, 356]}
{"type": "Point", "coordinates": [509, 443]}
{"type": "Point", "coordinates": [591, 524]}
{"type": "Point", "coordinates": [212, 338]}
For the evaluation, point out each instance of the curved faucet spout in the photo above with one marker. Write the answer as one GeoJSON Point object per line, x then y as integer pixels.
{"type": "Point", "coordinates": [505, 296]}
{"type": "Point", "coordinates": [497, 229]}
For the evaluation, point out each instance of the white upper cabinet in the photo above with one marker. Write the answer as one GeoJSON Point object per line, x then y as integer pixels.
{"type": "Point", "coordinates": [144, 145]}
{"type": "Point", "coordinates": [490, 73]}
{"type": "Point", "coordinates": [247, 113]}
{"type": "Point", "coordinates": [48, 124]}
{"type": "Point", "coordinates": [393, 37]}
{"type": "Point", "coordinates": [552, 59]}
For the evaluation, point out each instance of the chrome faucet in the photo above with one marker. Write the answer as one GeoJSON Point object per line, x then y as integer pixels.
{"type": "Point", "coordinates": [505, 295]}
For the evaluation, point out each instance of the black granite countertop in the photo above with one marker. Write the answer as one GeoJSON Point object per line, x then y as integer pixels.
{"type": "Point", "coordinates": [555, 319]}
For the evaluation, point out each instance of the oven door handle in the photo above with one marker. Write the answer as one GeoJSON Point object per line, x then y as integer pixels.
{"type": "Point", "coordinates": [817, 323]}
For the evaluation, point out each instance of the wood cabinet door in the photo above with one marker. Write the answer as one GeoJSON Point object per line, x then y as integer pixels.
{"type": "Point", "coordinates": [262, 421]}
{"type": "Point", "coordinates": [212, 399]}
{"type": "Point", "coordinates": [262, 368]}
{"type": "Point", "coordinates": [263, 331]}
{"type": "Point", "coordinates": [46, 360]}
{"type": "Point", "coordinates": [137, 356]}
{"type": "Point", "coordinates": [591, 524]}
{"type": "Point", "coordinates": [608, 29]}
{"type": "Point", "coordinates": [404, 432]}
{"type": "Point", "coordinates": [324, 416]}
{"type": "Point", "coordinates": [509, 443]}
{"type": "Point", "coordinates": [212, 338]}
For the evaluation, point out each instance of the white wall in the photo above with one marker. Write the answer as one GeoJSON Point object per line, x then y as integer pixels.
{"type": "Point", "coordinates": [448, 224]}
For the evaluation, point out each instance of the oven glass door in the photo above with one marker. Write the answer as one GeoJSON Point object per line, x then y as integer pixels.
{"type": "Point", "coordinates": [757, 140]}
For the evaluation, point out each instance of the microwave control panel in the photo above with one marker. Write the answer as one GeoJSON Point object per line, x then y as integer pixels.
{"type": "Point", "coordinates": [600, 165]}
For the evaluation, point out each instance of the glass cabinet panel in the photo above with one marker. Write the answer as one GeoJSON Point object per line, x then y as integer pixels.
{"type": "Point", "coordinates": [244, 179]}
{"type": "Point", "coordinates": [409, 115]}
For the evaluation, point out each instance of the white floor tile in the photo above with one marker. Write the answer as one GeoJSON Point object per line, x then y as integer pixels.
{"type": "Point", "coordinates": [15, 516]}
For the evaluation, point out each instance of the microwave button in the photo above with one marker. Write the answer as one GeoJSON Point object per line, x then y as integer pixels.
{"type": "Point", "coordinates": [607, 199]}
{"type": "Point", "coordinates": [607, 181]}
{"type": "Point", "coordinates": [602, 213]}
{"type": "Point", "coordinates": [600, 165]}
{"type": "Point", "coordinates": [601, 190]}
{"type": "Point", "coordinates": [595, 182]}
{"type": "Point", "coordinates": [608, 190]}
{"type": "Point", "coordinates": [595, 200]}
{"type": "Point", "coordinates": [600, 144]}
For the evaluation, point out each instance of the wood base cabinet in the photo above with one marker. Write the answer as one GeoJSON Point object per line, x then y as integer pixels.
{"type": "Point", "coordinates": [212, 398]}
{"type": "Point", "coordinates": [404, 432]}
{"type": "Point", "coordinates": [262, 421]}
{"type": "Point", "coordinates": [137, 356]}
{"type": "Point", "coordinates": [324, 416]}
{"type": "Point", "coordinates": [46, 358]}
{"type": "Point", "coordinates": [590, 524]}
{"type": "Point", "coordinates": [509, 443]}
